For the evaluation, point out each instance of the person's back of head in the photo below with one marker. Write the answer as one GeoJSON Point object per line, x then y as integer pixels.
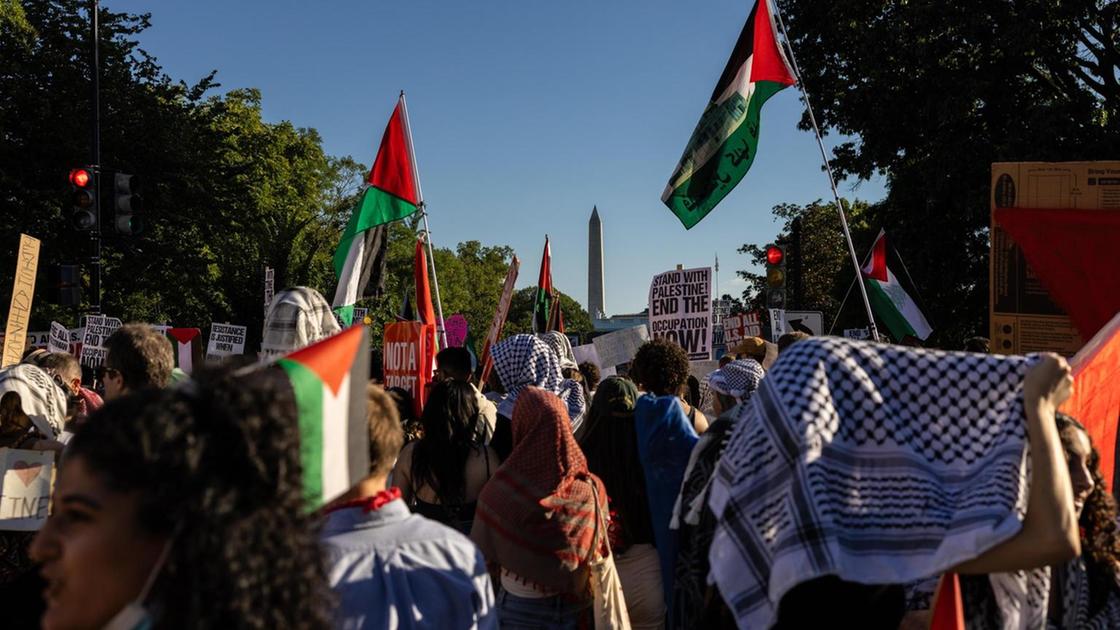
{"type": "Point", "coordinates": [297, 318]}
{"type": "Point", "coordinates": [791, 338]}
{"type": "Point", "coordinates": [977, 344]}
{"type": "Point", "coordinates": [386, 436]}
{"type": "Point", "coordinates": [454, 363]}
{"type": "Point", "coordinates": [591, 375]}
{"type": "Point", "coordinates": [450, 420]}
{"type": "Point", "coordinates": [725, 359]}
{"type": "Point", "coordinates": [137, 357]}
{"type": "Point", "coordinates": [660, 367]}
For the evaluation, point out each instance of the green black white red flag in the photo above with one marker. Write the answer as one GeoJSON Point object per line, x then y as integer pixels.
{"type": "Point", "coordinates": [329, 380]}
{"type": "Point", "coordinates": [542, 303]}
{"type": "Point", "coordinates": [723, 145]}
{"type": "Point", "coordinates": [891, 302]}
{"type": "Point", "coordinates": [392, 193]}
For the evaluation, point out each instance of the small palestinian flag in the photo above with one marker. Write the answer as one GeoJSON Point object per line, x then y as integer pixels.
{"type": "Point", "coordinates": [723, 145]}
{"type": "Point", "coordinates": [542, 303]}
{"type": "Point", "coordinates": [329, 380]}
{"type": "Point", "coordinates": [891, 302]}
{"type": "Point", "coordinates": [187, 346]}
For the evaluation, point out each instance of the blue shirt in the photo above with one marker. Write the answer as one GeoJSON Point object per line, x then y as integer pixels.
{"type": "Point", "coordinates": [391, 568]}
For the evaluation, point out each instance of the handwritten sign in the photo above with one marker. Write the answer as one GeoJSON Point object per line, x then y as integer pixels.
{"type": "Point", "coordinates": [23, 289]}
{"type": "Point", "coordinates": [59, 340]}
{"type": "Point", "coordinates": [499, 320]}
{"type": "Point", "coordinates": [680, 309]}
{"type": "Point", "coordinates": [226, 339]}
{"type": "Point", "coordinates": [269, 288]}
{"type": "Point", "coordinates": [620, 346]}
{"type": "Point", "coordinates": [25, 497]}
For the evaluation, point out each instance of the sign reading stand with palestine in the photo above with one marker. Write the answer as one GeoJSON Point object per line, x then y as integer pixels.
{"type": "Point", "coordinates": [680, 309]}
{"type": "Point", "coordinates": [97, 331]}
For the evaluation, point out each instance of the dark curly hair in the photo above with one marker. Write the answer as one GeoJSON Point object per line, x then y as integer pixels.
{"type": "Point", "coordinates": [660, 366]}
{"type": "Point", "coordinates": [216, 466]}
{"type": "Point", "coordinates": [1100, 538]}
{"type": "Point", "coordinates": [451, 434]}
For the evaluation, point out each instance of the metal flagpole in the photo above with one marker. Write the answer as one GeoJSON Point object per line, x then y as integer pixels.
{"type": "Point", "coordinates": [427, 230]}
{"type": "Point", "coordinates": [831, 179]}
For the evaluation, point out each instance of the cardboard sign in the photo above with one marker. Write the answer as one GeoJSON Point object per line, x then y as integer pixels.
{"type": "Point", "coordinates": [269, 288]}
{"type": "Point", "coordinates": [25, 498]}
{"type": "Point", "coordinates": [587, 354]}
{"type": "Point", "coordinates": [226, 340]}
{"type": "Point", "coordinates": [456, 329]}
{"type": "Point", "coordinates": [408, 359]}
{"type": "Point", "coordinates": [1024, 318]}
{"type": "Point", "coordinates": [499, 320]}
{"type": "Point", "coordinates": [620, 346]}
{"type": "Point", "coordinates": [680, 309]}
{"type": "Point", "coordinates": [23, 290]}
{"type": "Point", "coordinates": [59, 339]}
{"type": "Point", "coordinates": [97, 331]}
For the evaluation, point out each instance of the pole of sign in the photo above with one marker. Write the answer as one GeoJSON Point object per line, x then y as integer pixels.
{"type": "Point", "coordinates": [427, 230]}
{"type": "Point", "coordinates": [831, 178]}
{"type": "Point", "coordinates": [95, 156]}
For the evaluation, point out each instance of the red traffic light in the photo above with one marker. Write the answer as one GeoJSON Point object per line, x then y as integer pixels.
{"type": "Point", "coordinates": [774, 255]}
{"type": "Point", "coordinates": [80, 177]}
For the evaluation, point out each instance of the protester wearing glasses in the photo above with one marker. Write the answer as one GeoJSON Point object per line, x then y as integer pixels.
{"type": "Point", "coordinates": [137, 357]}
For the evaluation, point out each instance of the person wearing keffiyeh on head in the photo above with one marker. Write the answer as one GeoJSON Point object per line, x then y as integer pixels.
{"type": "Point", "coordinates": [569, 369]}
{"type": "Point", "coordinates": [296, 318]}
{"type": "Point", "coordinates": [536, 519]}
{"type": "Point", "coordinates": [523, 361]}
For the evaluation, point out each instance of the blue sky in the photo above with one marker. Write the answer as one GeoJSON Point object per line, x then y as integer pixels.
{"type": "Point", "coordinates": [525, 115]}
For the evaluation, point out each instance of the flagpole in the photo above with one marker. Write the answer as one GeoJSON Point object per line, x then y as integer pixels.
{"type": "Point", "coordinates": [424, 216]}
{"type": "Point", "coordinates": [831, 178]}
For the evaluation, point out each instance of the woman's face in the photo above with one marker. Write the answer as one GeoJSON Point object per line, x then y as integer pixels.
{"type": "Point", "coordinates": [1077, 454]}
{"type": "Point", "coordinates": [95, 556]}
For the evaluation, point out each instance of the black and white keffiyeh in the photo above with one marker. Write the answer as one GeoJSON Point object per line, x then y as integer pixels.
{"type": "Point", "coordinates": [562, 346]}
{"type": "Point", "coordinates": [524, 360]}
{"type": "Point", "coordinates": [297, 318]}
{"type": "Point", "coordinates": [41, 398]}
{"type": "Point", "coordinates": [879, 464]}
{"type": "Point", "coordinates": [738, 379]}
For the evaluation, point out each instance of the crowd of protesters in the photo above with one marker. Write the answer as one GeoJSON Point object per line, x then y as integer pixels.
{"type": "Point", "coordinates": [807, 483]}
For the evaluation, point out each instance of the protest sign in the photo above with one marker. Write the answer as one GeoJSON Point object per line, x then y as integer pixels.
{"type": "Point", "coordinates": [739, 327]}
{"type": "Point", "coordinates": [360, 315]}
{"type": "Point", "coordinates": [620, 346]}
{"type": "Point", "coordinates": [777, 323]}
{"type": "Point", "coordinates": [499, 321]}
{"type": "Point", "coordinates": [34, 339]}
{"type": "Point", "coordinates": [23, 290]}
{"type": "Point", "coordinates": [97, 331]}
{"type": "Point", "coordinates": [456, 329]}
{"type": "Point", "coordinates": [59, 340]}
{"type": "Point", "coordinates": [26, 495]}
{"type": "Point", "coordinates": [587, 354]}
{"type": "Point", "coordinates": [269, 288]}
{"type": "Point", "coordinates": [225, 339]}
{"type": "Point", "coordinates": [408, 358]}
{"type": "Point", "coordinates": [857, 333]}
{"type": "Point", "coordinates": [701, 369]}
{"type": "Point", "coordinates": [680, 309]}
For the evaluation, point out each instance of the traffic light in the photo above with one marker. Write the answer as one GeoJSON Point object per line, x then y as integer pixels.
{"type": "Point", "coordinates": [127, 204]}
{"type": "Point", "coordinates": [83, 198]}
{"type": "Point", "coordinates": [775, 276]}
{"type": "Point", "coordinates": [64, 285]}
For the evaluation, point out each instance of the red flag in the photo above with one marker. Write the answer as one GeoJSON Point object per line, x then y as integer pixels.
{"type": "Point", "coordinates": [424, 309]}
{"type": "Point", "coordinates": [948, 608]}
{"type": "Point", "coordinates": [556, 317]}
{"type": "Point", "coordinates": [1095, 401]}
{"type": "Point", "coordinates": [392, 168]}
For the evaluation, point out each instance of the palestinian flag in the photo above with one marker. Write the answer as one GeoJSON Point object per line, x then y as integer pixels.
{"type": "Point", "coordinates": [542, 303]}
{"type": "Point", "coordinates": [891, 302]}
{"type": "Point", "coordinates": [186, 343]}
{"type": "Point", "coordinates": [392, 194]}
{"type": "Point", "coordinates": [329, 381]}
{"type": "Point", "coordinates": [723, 145]}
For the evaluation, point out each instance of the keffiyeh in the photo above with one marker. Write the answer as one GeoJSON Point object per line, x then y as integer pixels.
{"type": "Point", "coordinates": [840, 429]}
{"type": "Point", "coordinates": [524, 360]}
{"type": "Point", "coordinates": [738, 379]}
{"type": "Point", "coordinates": [562, 346]}
{"type": "Point", "coordinates": [41, 398]}
{"type": "Point", "coordinates": [296, 318]}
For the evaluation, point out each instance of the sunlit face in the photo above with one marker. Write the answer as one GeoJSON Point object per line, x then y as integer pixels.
{"type": "Point", "coordinates": [1080, 477]}
{"type": "Point", "coordinates": [95, 556]}
{"type": "Point", "coordinates": [114, 382]}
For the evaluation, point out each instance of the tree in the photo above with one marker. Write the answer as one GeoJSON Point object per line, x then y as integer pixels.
{"type": "Point", "coordinates": [932, 93]}
{"type": "Point", "coordinates": [520, 320]}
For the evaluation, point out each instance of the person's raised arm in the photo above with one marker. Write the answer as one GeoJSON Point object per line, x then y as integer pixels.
{"type": "Point", "coordinates": [1049, 535]}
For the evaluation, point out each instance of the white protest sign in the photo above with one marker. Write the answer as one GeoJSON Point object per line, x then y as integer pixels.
{"type": "Point", "coordinates": [59, 338]}
{"type": "Point", "coordinates": [35, 339]}
{"type": "Point", "coordinates": [587, 354]}
{"type": "Point", "coordinates": [97, 330]}
{"type": "Point", "coordinates": [26, 495]}
{"type": "Point", "coordinates": [680, 309]}
{"type": "Point", "coordinates": [620, 346]}
{"type": "Point", "coordinates": [226, 339]}
{"type": "Point", "coordinates": [360, 315]}
{"type": "Point", "coordinates": [701, 369]}
{"type": "Point", "coordinates": [269, 287]}
{"type": "Point", "coordinates": [857, 333]}
{"type": "Point", "coordinates": [777, 323]}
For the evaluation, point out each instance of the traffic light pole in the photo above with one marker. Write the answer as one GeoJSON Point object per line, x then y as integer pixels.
{"type": "Point", "coordinates": [95, 156]}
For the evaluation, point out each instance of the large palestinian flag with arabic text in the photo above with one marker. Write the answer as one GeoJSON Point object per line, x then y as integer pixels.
{"type": "Point", "coordinates": [329, 380]}
{"type": "Point", "coordinates": [723, 145]}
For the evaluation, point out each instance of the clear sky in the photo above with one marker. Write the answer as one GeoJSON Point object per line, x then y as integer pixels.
{"type": "Point", "coordinates": [525, 114]}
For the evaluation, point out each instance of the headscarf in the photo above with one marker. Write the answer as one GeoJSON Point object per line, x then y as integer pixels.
{"type": "Point", "coordinates": [525, 360]}
{"type": "Point", "coordinates": [609, 440]}
{"type": "Point", "coordinates": [562, 346]}
{"type": "Point", "coordinates": [536, 515]}
{"type": "Point", "coordinates": [738, 379]}
{"type": "Point", "coordinates": [665, 441]}
{"type": "Point", "coordinates": [42, 399]}
{"type": "Point", "coordinates": [297, 318]}
{"type": "Point", "coordinates": [877, 464]}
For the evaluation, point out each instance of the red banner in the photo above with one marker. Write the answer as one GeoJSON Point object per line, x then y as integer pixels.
{"type": "Point", "coordinates": [408, 358]}
{"type": "Point", "coordinates": [1095, 402]}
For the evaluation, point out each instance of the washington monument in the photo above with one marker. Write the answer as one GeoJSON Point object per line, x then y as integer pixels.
{"type": "Point", "coordinates": [596, 306]}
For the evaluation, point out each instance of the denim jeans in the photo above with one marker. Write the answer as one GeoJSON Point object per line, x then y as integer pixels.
{"type": "Point", "coordinates": [544, 613]}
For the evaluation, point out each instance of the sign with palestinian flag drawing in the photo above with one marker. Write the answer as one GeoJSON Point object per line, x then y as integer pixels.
{"type": "Point", "coordinates": [329, 381]}
{"type": "Point", "coordinates": [723, 145]}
